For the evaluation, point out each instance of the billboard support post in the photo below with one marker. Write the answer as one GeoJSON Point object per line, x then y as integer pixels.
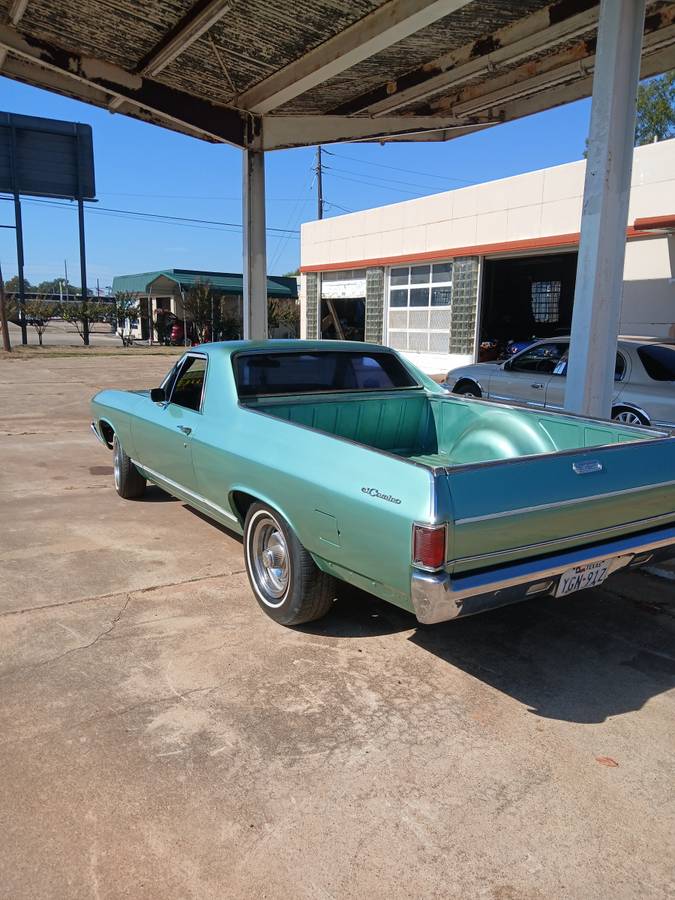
{"type": "Point", "coordinates": [18, 221]}
{"type": "Point", "coordinates": [18, 228]}
{"type": "Point", "coordinates": [83, 272]}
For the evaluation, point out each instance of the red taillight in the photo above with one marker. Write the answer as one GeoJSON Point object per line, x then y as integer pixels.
{"type": "Point", "coordinates": [429, 546]}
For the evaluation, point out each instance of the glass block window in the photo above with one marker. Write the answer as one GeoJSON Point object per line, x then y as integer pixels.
{"type": "Point", "coordinates": [546, 301]}
{"type": "Point", "coordinates": [420, 297]}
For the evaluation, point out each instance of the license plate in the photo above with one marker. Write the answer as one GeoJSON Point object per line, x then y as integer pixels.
{"type": "Point", "coordinates": [581, 577]}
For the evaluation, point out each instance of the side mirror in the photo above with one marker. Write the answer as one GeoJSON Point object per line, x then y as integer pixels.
{"type": "Point", "coordinates": [158, 395]}
{"type": "Point", "coordinates": [507, 365]}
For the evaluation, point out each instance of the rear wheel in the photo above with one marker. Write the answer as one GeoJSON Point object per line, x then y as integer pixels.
{"type": "Point", "coordinates": [468, 389]}
{"type": "Point", "coordinates": [129, 483]}
{"type": "Point", "coordinates": [628, 416]}
{"type": "Point", "coordinates": [286, 581]}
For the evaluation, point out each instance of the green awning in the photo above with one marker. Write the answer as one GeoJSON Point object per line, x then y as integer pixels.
{"type": "Point", "coordinates": [221, 282]}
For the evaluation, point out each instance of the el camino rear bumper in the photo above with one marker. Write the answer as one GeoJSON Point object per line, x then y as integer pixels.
{"type": "Point", "coordinates": [438, 597]}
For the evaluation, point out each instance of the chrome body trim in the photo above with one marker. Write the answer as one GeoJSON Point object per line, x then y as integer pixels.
{"type": "Point", "coordinates": [556, 504]}
{"type": "Point", "coordinates": [440, 597]}
{"type": "Point", "coordinates": [182, 490]}
{"type": "Point", "coordinates": [99, 435]}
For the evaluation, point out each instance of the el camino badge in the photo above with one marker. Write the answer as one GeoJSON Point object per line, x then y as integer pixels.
{"type": "Point", "coordinates": [587, 468]}
{"type": "Point", "coordinates": [373, 492]}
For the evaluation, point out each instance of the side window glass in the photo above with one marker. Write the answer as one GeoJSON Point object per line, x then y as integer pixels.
{"type": "Point", "coordinates": [189, 386]}
{"type": "Point", "coordinates": [543, 358]}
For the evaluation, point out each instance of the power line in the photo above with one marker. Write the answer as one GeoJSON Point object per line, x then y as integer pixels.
{"type": "Point", "coordinates": [381, 186]}
{"type": "Point", "coordinates": [145, 216]}
{"type": "Point", "coordinates": [426, 187]}
{"type": "Point", "coordinates": [397, 168]}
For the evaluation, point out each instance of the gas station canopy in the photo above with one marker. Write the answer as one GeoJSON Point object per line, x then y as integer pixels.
{"type": "Point", "coordinates": [264, 76]}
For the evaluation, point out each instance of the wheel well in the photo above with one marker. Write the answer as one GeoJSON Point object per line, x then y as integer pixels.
{"type": "Point", "coordinates": [468, 381]}
{"type": "Point", "coordinates": [107, 432]}
{"type": "Point", "coordinates": [241, 501]}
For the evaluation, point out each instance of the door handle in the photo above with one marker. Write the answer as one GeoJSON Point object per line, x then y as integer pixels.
{"type": "Point", "coordinates": [537, 385]}
{"type": "Point", "coordinates": [184, 429]}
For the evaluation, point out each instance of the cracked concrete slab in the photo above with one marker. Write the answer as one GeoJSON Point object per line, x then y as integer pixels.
{"type": "Point", "coordinates": [161, 738]}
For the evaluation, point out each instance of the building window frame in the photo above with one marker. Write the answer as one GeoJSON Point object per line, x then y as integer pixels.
{"type": "Point", "coordinates": [419, 294]}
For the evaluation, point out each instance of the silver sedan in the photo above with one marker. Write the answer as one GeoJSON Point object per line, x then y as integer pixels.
{"type": "Point", "coordinates": [644, 380]}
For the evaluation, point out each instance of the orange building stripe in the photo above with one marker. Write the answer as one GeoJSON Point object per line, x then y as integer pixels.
{"type": "Point", "coordinates": [540, 243]}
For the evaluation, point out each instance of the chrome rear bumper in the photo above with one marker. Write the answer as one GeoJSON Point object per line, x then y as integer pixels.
{"type": "Point", "coordinates": [438, 596]}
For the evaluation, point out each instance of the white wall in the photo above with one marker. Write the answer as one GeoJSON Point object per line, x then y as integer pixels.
{"type": "Point", "coordinates": [538, 204]}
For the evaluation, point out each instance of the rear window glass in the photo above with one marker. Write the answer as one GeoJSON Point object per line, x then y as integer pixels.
{"type": "Point", "coordinates": [659, 361]}
{"type": "Point", "coordinates": [261, 374]}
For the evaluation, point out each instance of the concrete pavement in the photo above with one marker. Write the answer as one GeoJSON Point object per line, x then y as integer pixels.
{"type": "Point", "coordinates": [161, 738]}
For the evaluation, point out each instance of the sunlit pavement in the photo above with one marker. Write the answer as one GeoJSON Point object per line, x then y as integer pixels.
{"type": "Point", "coordinates": [160, 737]}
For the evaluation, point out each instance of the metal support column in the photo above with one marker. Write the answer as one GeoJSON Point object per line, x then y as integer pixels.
{"type": "Point", "coordinates": [602, 247]}
{"type": "Point", "coordinates": [255, 257]}
{"type": "Point", "coordinates": [20, 264]}
{"type": "Point", "coordinates": [18, 226]}
{"type": "Point", "coordinates": [83, 254]}
{"type": "Point", "coordinates": [83, 271]}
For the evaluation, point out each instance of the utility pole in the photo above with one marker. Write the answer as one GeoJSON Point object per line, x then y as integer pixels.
{"type": "Point", "coordinates": [319, 183]}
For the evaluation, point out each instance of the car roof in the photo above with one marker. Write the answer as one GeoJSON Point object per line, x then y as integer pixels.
{"type": "Point", "coordinates": [623, 339]}
{"type": "Point", "coordinates": [230, 347]}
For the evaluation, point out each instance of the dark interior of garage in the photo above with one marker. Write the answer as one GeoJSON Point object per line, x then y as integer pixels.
{"type": "Point", "coordinates": [524, 299]}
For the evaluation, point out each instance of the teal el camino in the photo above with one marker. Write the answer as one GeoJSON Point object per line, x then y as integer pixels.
{"type": "Point", "coordinates": [339, 460]}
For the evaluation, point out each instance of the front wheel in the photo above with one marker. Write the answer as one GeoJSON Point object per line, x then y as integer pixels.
{"type": "Point", "coordinates": [286, 581]}
{"type": "Point", "coordinates": [628, 416]}
{"type": "Point", "coordinates": [129, 483]}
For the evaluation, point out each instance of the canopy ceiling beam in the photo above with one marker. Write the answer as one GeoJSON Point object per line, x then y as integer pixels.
{"type": "Point", "coordinates": [388, 24]}
{"type": "Point", "coordinates": [485, 56]}
{"type": "Point", "coordinates": [299, 131]}
{"type": "Point", "coordinates": [196, 22]}
{"type": "Point", "coordinates": [575, 63]}
{"type": "Point", "coordinates": [172, 107]}
{"type": "Point", "coordinates": [16, 10]}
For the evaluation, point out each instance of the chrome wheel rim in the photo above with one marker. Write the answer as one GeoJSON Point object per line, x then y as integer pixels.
{"type": "Point", "coordinates": [269, 555]}
{"type": "Point", "coordinates": [117, 465]}
{"type": "Point", "coordinates": [628, 418]}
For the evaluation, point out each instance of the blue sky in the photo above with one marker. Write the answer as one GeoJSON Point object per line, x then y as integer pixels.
{"type": "Point", "coordinates": [145, 168]}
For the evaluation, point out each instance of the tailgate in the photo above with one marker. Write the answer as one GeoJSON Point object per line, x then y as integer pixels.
{"type": "Point", "coordinates": [521, 508]}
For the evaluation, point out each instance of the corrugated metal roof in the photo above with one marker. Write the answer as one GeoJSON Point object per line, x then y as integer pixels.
{"type": "Point", "coordinates": [222, 282]}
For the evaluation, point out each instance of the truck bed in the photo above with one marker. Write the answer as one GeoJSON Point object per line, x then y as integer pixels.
{"type": "Point", "coordinates": [445, 431]}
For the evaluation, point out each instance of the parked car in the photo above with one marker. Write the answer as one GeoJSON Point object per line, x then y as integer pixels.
{"type": "Point", "coordinates": [340, 460]}
{"type": "Point", "coordinates": [644, 381]}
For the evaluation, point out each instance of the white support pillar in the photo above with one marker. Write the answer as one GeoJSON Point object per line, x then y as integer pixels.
{"type": "Point", "coordinates": [255, 255]}
{"type": "Point", "coordinates": [599, 285]}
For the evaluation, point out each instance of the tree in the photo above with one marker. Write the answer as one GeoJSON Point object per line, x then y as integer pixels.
{"type": "Point", "coordinates": [655, 110]}
{"type": "Point", "coordinates": [198, 307]}
{"type": "Point", "coordinates": [38, 314]}
{"type": "Point", "coordinates": [12, 285]}
{"type": "Point", "coordinates": [655, 115]}
{"type": "Point", "coordinates": [55, 286]}
{"type": "Point", "coordinates": [81, 315]}
{"type": "Point", "coordinates": [284, 315]}
{"type": "Point", "coordinates": [124, 306]}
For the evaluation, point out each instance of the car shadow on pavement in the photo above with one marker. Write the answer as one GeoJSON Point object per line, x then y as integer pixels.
{"type": "Point", "coordinates": [582, 659]}
{"type": "Point", "coordinates": [154, 494]}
